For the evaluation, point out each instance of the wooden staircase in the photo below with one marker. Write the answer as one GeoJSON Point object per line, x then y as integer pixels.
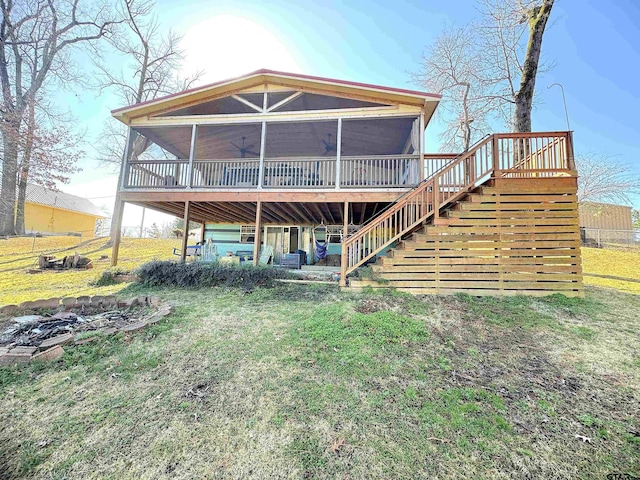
{"type": "Point", "coordinates": [476, 228]}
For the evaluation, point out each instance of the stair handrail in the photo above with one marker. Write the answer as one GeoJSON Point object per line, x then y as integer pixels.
{"type": "Point", "coordinates": [426, 186]}
{"type": "Point", "coordinates": [441, 189]}
{"type": "Point", "coordinates": [398, 199]}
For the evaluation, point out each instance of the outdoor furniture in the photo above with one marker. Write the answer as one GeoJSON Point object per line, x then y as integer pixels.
{"type": "Point", "coordinates": [291, 260]}
{"type": "Point", "coordinates": [265, 254]}
{"type": "Point", "coordinates": [244, 255]}
{"type": "Point", "coordinates": [192, 251]}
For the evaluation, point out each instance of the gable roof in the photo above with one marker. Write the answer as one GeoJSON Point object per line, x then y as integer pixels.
{"type": "Point", "coordinates": [265, 76]}
{"type": "Point", "coordinates": [66, 201]}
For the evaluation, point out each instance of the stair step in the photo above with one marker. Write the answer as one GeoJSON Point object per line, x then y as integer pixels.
{"type": "Point", "coordinates": [494, 268]}
{"type": "Point", "coordinates": [545, 214]}
{"type": "Point", "coordinates": [483, 198]}
{"type": "Point", "coordinates": [501, 207]}
{"type": "Point", "coordinates": [505, 230]}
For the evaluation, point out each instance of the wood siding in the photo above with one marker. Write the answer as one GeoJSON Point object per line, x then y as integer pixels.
{"type": "Point", "coordinates": [510, 236]}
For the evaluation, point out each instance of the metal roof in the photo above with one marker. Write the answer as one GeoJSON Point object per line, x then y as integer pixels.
{"type": "Point", "coordinates": [66, 201]}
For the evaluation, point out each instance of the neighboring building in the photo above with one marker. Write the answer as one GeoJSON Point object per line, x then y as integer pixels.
{"type": "Point", "coordinates": [49, 211]}
{"type": "Point", "coordinates": [264, 159]}
{"type": "Point", "coordinates": [605, 216]}
{"type": "Point", "coordinates": [604, 223]}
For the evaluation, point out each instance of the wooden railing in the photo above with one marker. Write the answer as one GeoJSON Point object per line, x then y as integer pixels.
{"type": "Point", "coordinates": [437, 161]}
{"type": "Point", "coordinates": [498, 154]}
{"type": "Point", "coordinates": [295, 173]}
{"type": "Point", "coordinates": [386, 171]}
{"type": "Point", "coordinates": [376, 171]}
{"type": "Point", "coordinates": [225, 173]}
{"type": "Point", "coordinates": [157, 174]}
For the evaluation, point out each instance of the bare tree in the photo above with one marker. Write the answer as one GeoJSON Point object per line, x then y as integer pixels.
{"type": "Point", "coordinates": [487, 69]}
{"type": "Point", "coordinates": [513, 64]}
{"type": "Point", "coordinates": [36, 37]}
{"type": "Point", "coordinates": [152, 64]}
{"type": "Point", "coordinates": [452, 67]}
{"type": "Point", "coordinates": [603, 179]}
{"type": "Point", "coordinates": [48, 155]}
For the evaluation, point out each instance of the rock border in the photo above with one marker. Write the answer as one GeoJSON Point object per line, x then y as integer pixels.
{"type": "Point", "coordinates": [51, 348]}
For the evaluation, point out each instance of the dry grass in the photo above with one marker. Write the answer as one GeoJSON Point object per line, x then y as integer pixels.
{"type": "Point", "coordinates": [18, 255]}
{"type": "Point", "coordinates": [263, 385]}
{"type": "Point", "coordinates": [301, 382]}
{"type": "Point", "coordinates": [621, 263]}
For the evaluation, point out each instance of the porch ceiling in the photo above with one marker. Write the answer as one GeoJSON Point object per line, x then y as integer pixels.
{"type": "Point", "coordinates": [381, 136]}
{"type": "Point", "coordinates": [279, 213]}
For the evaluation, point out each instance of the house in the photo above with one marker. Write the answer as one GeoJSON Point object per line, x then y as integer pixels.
{"type": "Point", "coordinates": [49, 211]}
{"type": "Point", "coordinates": [276, 154]}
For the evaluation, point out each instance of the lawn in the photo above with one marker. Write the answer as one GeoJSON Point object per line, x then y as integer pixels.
{"type": "Point", "coordinates": [310, 382]}
{"type": "Point", "coordinates": [19, 255]}
{"type": "Point", "coordinates": [622, 263]}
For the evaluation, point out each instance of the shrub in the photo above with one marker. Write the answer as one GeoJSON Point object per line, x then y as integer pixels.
{"type": "Point", "coordinates": [171, 273]}
{"type": "Point", "coordinates": [108, 277]}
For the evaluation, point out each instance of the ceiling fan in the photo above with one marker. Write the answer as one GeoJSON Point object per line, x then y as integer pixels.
{"type": "Point", "coordinates": [328, 145]}
{"type": "Point", "coordinates": [244, 149]}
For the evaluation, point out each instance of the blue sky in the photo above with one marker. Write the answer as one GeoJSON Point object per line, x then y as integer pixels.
{"type": "Point", "coordinates": [594, 45]}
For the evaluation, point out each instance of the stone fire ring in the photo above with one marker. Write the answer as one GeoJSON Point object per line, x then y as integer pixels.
{"type": "Point", "coordinates": [51, 348]}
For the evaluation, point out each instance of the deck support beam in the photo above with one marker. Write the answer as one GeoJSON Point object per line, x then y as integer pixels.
{"type": "Point", "coordinates": [116, 230]}
{"type": "Point", "coordinates": [257, 239]}
{"type": "Point", "coordinates": [185, 234]}
{"type": "Point", "coordinates": [343, 257]}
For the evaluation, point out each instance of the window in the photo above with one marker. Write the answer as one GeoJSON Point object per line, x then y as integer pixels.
{"type": "Point", "coordinates": [247, 233]}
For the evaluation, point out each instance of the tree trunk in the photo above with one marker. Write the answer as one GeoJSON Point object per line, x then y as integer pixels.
{"type": "Point", "coordinates": [22, 196]}
{"type": "Point", "coordinates": [23, 176]}
{"type": "Point", "coordinates": [537, 18]}
{"type": "Point", "coordinates": [8, 191]}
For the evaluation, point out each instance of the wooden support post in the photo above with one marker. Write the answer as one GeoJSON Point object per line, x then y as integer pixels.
{"type": "Point", "coordinates": [494, 155]}
{"type": "Point", "coordinates": [421, 142]}
{"type": "Point", "coordinates": [257, 239]}
{"type": "Point", "coordinates": [569, 152]}
{"type": "Point", "coordinates": [204, 226]}
{"type": "Point", "coordinates": [116, 230]}
{"type": "Point", "coordinates": [185, 235]}
{"type": "Point", "coordinates": [436, 196]}
{"type": "Point", "coordinates": [192, 154]}
{"type": "Point", "coordinates": [124, 168]}
{"type": "Point", "coordinates": [338, 153]}
{"type": "Point", "coordinates": [263, 137]}
{"type": "Point", "coordinates": [344, 257]}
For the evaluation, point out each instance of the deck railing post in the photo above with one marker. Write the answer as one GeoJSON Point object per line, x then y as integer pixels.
{"type": "Point", "coordinates": [421, 147]}
{"type": "Point", "coordinates": [192, 154]}
{"type": "Point", "coordinates": [494, 154]}
{"type": "Point", "coordinates": [436, 196]}
{"type": "Point", "coordinates": [569, 152]}
{"type": "Point", "coordinates": [338, 153]}
{"type": "Point", "coordinates": [263, 137]}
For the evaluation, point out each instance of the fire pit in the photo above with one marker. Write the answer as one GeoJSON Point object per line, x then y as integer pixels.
{"type": "Point", "coordinates": [40, 333]}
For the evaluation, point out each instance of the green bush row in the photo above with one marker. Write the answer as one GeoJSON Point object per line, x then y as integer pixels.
{"type": "Point", "coordinates": [201, 274]}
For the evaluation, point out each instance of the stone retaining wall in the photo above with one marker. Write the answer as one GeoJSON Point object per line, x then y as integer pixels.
{"type": "Point", "coordinates": [51, 348]}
